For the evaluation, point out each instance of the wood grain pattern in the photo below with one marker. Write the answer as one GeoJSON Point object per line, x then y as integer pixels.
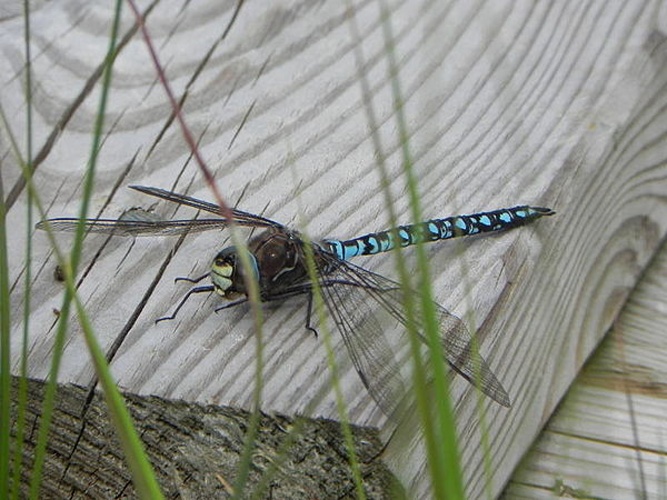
{"type": "Point", "coordinates": [551, 103]}
{"type": "Point", "coordinates": [608, 439]}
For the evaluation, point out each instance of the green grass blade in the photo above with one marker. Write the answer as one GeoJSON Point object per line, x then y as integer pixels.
{"type": "Point", "coordinates": [439, 432]}
{"type": "Point", "coordinates": [318, 304]}
{"type": "Point", "coordinates": [441, 441]}
{"type": "Point", "coordinates": [5, 377]}
{"type": "Point", "coordinates": [142, 473]}
{"type": "Point", "coordinates": [252, 285]}
{"type": "Point", "coordinates": [319, 307]}
{"type": "Point", "coordinates": [22, 393]}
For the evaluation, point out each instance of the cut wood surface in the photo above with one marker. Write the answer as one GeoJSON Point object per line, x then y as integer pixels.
{"type": "Point", "coordinates": [559, 104]}
{"type": "Point", "coordinates": [608, 438]}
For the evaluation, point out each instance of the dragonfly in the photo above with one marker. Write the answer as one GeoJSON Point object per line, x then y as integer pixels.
{"type": "Point", "coordinates": [358, 301]}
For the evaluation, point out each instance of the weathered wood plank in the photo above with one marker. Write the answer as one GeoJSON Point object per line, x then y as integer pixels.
{"type": "Point", "coordinates": [558, 103]}
{"type": "Point", "coordinates": [195, 451]}
{"type": "Point", "coordinates": [608, 439]}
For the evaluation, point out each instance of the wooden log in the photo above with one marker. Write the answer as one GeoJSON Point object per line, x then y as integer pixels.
{"type": "Point", "coordinates": [195, 451]}
{"type": "Point", "coordinates": [555, 103]}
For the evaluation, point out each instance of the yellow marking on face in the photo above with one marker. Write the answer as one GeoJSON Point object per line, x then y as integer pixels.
{"type": "Point", "coordinates": [221, 277]}
{"type": "Point", "coordinates": [225, 270]}
{"type": "Point", "coordinates": [222, 285]}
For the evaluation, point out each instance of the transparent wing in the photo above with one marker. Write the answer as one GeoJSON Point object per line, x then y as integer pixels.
{"type": "Point", "coordinates": [240, 217]}
{"type": "Point", "coordinates": [139, 222]}
{"type": "Point", "coordinates": [123, 227]}
{"type": "Point", "coordinates": [363, 333]}
{"type": "Point", "coordinates": [361, 303]}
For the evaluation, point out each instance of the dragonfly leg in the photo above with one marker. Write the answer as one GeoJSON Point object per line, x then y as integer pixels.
{"type": "Point", "coordinates": [197, 289]}
{"type": "Point", "coordinates": [232, 304]}
{"type": "Point", "coordinates": [191, 280]}
{"type": "Point", "coordinates": [309, 313]}
{"type": "Point", "coordinates": [301, 289]}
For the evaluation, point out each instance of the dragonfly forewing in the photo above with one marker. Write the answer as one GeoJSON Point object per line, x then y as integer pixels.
{"type": "Point", "coordinates": [240, 217]}
{"type": "Point", "coordinates": [134, 227]}
{"type": "Point", "coordinates": [139, 222]}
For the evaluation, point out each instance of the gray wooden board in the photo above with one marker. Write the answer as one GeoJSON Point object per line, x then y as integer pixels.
{"type": "Point", "coordinates": [608, 439]}
{"type": "Point", "coordinates": [549, 103]}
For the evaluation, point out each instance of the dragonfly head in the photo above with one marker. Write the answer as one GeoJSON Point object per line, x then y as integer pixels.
{"type": "Point", "coordinates": [227, 273]}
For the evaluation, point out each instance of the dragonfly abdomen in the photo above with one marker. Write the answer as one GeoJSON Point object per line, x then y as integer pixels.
{"type": "Point", "coordinates": [437, 229]}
